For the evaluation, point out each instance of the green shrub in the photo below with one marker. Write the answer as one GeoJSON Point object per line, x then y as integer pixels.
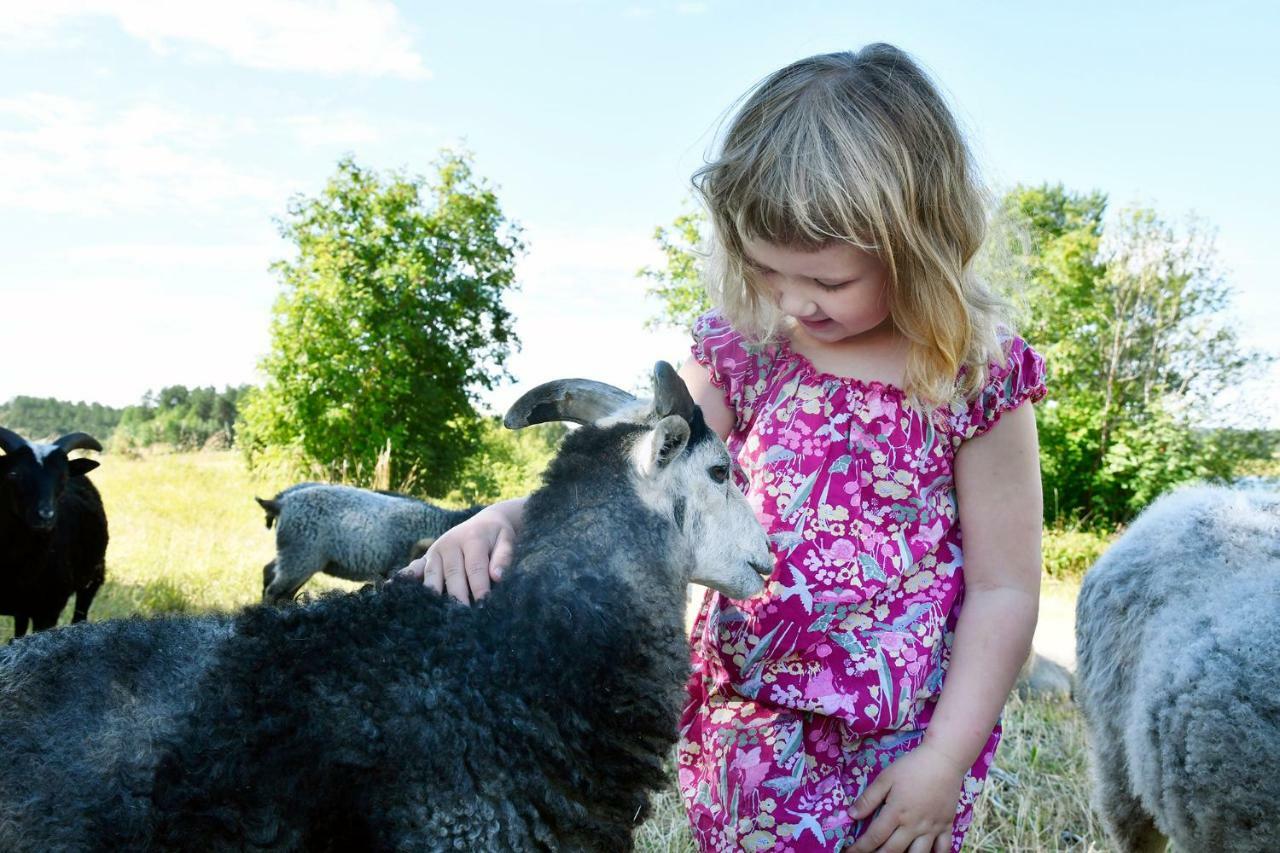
{"type": "Point", "coordinates": [1069, 553]}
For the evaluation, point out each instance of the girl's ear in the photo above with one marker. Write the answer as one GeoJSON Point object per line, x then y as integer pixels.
{"type": "Point", "coordinates": [663, 444]}
{"type": "Point", "coordinates": [77, 467]}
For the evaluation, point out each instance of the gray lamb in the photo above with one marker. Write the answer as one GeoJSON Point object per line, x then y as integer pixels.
{"type": "Point", "coordinates": [350, 533]}
{"type": "Point", "coordinates": [1177, 628]}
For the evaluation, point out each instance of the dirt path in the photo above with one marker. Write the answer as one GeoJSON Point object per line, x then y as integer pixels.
{"type": "Point", "coordinates": [1055, 632]}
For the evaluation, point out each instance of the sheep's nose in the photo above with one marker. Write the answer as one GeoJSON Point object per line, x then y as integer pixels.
{"type": "Point", "coordinates": [46, 515]}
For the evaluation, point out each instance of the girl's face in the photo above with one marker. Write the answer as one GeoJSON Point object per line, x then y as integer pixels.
{"type": "Point", "coordinates": [835, 293]}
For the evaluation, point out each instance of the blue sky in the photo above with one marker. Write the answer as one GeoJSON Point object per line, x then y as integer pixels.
{"type": "Point", "coordinates": [145, 148]}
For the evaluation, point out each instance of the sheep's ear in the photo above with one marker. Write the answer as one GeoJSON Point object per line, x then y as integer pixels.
{"type": "Point", "coordinates": [78, 467]}
{"type": "Point", "coordinates": [663, 443]}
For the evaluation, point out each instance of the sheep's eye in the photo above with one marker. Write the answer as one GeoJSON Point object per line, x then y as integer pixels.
{"type": "Point", "coordinates": [719, 473]}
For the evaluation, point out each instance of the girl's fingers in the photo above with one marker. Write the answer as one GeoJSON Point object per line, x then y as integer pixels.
{"type": "Point", "coordinates": [923, 844]}
{"type": "Point", "coordinates": [898, 842]}
{"type": "Point", "coordinates": [455, 575]}
{"type": "Point", "coordinates": [877, 834]}
{"type": "Point", "coordinates": [503, 552]}
{"type": "Point", "coordinates": [943, 844]}
{"type": "Point", "coordinates": [475, 560]}
{"type": "Point", "coordinates": [414, 571]}
{"type": "Point", "coordinates": [433, 571]}
{"type": "Point", "coordinates": [871, 798]}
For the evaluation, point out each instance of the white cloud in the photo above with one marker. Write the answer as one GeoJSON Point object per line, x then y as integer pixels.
{"type": "Point", "coordinates": [362, 37]}
{"type": "Point", "coordinates": [691, 8]}
{"type": "Point", "coordinates": [68, 156]}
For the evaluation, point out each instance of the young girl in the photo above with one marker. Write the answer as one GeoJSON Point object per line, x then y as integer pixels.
{"type": "Point", "coordinates": [866, 384]}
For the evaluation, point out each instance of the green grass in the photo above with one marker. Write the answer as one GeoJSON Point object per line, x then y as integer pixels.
{"type": "Point", "coordinates": [187, 536]}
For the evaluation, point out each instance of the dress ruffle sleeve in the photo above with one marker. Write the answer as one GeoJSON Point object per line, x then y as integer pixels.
{"type": "Point", "coordinates": [735, 367]}
{"type": "Point", "coordinates": [1019, 379]}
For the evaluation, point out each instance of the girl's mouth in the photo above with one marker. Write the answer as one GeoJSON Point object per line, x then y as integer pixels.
{"type": "Point", "coordinates": [816, 325]}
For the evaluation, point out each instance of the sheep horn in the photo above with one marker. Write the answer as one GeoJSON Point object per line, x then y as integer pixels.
{"type": "Point", "coordinates": [77, 441]}
{"type": "Point", "coordinates": [670, 394]}
{"type": "Point", "coordinates": [579, 401]}
{"type": "Point", "coordinates": [10, 441]}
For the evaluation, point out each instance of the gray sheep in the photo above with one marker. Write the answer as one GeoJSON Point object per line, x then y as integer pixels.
{"type": "Point", "coordinates": [1177, 628]}
{"type": "Point", "coordinates": [394, 718]}
{"type": "Point", "coordinates": [350, 533]}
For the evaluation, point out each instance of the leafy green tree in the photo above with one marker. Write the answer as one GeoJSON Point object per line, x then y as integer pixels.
{"type": "Point", "coordinates": [679, 283]}
{"type": "Point", "coordinates": [40, 418]}
{"type": "Point", "coordinates": [389, 321]}
{"type": "Point", "coordinates": [181, 417]}
{"type": "Point", "coordinates": [1133, 323]}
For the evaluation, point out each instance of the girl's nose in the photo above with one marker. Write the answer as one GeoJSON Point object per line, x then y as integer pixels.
{"type": "Point", "coordinates": [794, 303]}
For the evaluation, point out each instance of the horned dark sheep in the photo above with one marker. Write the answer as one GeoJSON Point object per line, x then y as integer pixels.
{"type": "Point", "coordinates": [393, 718]}
{"type": "Point", "coordinates": [53, 530]}
{"type": "Point", "coordinates": [1177, 627]}
{"type": "Point", "coordinates": [351, 533]}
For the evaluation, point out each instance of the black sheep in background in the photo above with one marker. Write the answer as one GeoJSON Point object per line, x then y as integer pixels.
{"type": "Point", "coordinates": [53, 530]}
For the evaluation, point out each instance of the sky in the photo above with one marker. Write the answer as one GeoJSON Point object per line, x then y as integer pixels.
{"type": "Point", "coordinates": [148, 149]}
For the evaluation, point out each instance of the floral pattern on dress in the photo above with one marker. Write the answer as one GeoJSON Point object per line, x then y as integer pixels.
{"type": "Point", "coordinates": [801, 695]}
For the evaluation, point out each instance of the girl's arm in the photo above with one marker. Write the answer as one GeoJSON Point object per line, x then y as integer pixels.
{"type": "Point", "coordinates": [999, 498]}
{"type": "Point", "coordinates": [715, 409]}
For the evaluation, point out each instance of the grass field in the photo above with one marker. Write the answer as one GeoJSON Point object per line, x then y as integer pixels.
{"type": "Point", "coordinates": [187, 536]}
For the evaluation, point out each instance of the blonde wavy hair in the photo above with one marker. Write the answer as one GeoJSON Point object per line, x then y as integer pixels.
{"type": "Point", "coordinates": [859, 148]}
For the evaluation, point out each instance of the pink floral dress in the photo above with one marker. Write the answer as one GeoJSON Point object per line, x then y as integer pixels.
{"type": "Point", "coordinates": [801, 695]}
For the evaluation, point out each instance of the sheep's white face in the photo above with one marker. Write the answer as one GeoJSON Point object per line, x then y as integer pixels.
{"type": "Point", "coordinates": [690, 478]}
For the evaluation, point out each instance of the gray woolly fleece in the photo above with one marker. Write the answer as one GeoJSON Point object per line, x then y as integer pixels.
{"type": "Point", "coordinates": [1177, 628]}
{"type": "Point", "coordinates": [346, 532]}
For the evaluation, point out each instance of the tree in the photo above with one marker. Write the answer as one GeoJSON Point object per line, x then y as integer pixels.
{"type": "Point", "coordinates": [1131, 319]}
{"type": "Point", "coordinates": [389, 321]}
{"type": "Point", "coordinates": [679, 285]}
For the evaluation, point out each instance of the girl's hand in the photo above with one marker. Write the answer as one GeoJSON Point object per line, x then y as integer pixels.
{"type": "Point", "coordinates": [466, 559]}
{"type": "Point", "coordinates": [919, 791]}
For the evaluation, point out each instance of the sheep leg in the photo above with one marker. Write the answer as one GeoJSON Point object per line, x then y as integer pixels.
{"type": "Point", "coordinates": [19, 625]}
{"type": "Point", "coordinates": [1129, 824]}
{"type": "Point", "coordinates": [84, 599]}
{"type": "Point", "coordinates": [268, 575]}
{"type": "Point", "coordinates": [44, 621]}
{"type": "Point", "coordinates": [284, 583]}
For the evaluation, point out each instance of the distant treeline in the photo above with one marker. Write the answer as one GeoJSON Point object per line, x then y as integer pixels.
{"type": "Point", "coordinates": [178, 416]}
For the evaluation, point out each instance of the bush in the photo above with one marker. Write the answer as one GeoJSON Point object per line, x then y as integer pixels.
{"type": "Point", "coordinates": [1068, 553]}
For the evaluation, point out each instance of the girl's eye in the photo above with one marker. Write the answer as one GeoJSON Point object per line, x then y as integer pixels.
{"type": "Point", "coordinates": [837, 285]}
{"type": "Point", "coordinates": [719, 473]}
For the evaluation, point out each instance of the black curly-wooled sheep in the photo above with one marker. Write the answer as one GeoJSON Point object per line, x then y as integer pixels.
{"type": "Point", "coordinates": [395, 719]}
{"type": "Point", "coordinates": [53, 530]}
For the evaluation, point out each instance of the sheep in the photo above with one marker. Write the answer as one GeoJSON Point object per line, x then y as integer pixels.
{"type": "Point", "coordinates": [1177, 627]}
{"type": "Point", "coordinates": [53, 530]}
{"type": "Point", "coordinates": [347, 532]}
{"type": "Point", "coordinates": [393, 718]}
